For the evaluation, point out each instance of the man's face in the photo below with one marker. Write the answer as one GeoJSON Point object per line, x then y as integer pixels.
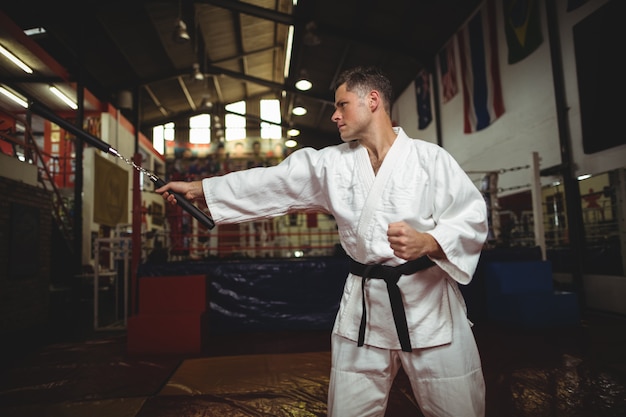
{"type": "Point", "coordinates": [351, 114]}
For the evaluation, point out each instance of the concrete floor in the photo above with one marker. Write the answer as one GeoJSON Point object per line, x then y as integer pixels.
{"type": "Point", "coordinates": [562, 372]}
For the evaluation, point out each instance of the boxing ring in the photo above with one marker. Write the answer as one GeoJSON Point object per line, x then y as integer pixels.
{"type": "Point", "coordinates": [491, 192]}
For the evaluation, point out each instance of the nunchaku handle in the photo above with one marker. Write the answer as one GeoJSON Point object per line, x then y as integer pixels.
{"type": "Point", "coordinates": [188, 206]}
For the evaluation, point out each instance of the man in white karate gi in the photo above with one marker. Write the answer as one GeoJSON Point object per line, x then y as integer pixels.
{"type": "Point", "coordinates": [413, 224]}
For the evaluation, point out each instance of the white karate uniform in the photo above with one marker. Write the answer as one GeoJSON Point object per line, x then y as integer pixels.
{"type": "Point", "coordinates": [419, 183]}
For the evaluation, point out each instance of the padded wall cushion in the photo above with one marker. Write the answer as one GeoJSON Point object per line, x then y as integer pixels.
{"type": "Point", "coordinates": [519, 277]}
{"type": "Point", "coordinates": [184, 293]}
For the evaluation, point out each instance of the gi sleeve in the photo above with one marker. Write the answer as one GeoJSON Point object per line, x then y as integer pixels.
{"type": "Point", "coordinates": [264, 192]}
{"type": "Point", "coordinates": [460, 214]}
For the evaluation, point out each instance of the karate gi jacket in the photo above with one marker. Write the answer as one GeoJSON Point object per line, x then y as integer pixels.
{"type": "Point", "coordinates": [418, 182]}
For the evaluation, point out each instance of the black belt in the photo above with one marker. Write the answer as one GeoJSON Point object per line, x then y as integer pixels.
{"type": "Point", "coordinates": [391, 275]}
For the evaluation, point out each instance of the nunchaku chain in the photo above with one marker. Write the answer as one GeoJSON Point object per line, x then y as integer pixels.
{"type": "Point", "coordinates": [139, 168]}
{"type": "Point", "coordinates": [201, 216]}
{"type": "Point", "coordinates": [187, 205]}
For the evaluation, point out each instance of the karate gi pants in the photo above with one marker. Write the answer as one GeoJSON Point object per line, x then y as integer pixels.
{"type": "Point", "coordinates": [447, 380]}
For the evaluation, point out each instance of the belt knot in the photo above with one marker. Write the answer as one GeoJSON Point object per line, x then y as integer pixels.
{"type": "Point", "coordinates": [391, 275]}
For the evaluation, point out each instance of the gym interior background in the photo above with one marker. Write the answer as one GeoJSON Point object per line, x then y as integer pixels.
{"type": "Point", "coordinates": [89, 248]}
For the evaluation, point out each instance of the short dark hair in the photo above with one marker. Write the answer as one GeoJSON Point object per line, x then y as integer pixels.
{"type": "Point", "coordinates": [363, 79]}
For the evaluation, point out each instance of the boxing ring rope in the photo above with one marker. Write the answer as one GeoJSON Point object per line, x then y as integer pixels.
{"type": "Point", "coordinates": [281, 236]}
{"type": "Point", "coordinates": [489, 188]}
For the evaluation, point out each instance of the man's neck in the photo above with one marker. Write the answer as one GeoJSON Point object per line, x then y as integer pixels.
{"type": "Point", "coordinates": [378, 147]}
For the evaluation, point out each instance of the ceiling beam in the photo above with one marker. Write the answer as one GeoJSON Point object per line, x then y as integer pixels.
{"type": "Point", "coordinates": [247, 8]}
{"type": "Point", "coordinates": [215, 70]}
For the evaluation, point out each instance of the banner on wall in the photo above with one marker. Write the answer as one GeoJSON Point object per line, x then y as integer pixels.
{"type": "Point", "coordinates": [422, 92]}
{"type": "Point", "coordinates": [522, 28]}
{"type": "Point", "coordinates": [110, 203]}
{"type": "Point", "coordinates": [480, 71]}
{"type": "Point", "coordinates": [447, 71]}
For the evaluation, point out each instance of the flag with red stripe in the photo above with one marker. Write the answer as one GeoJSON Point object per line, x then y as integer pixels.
{"type": "Point", "coordinates": [447, 70]}
{"type": "Point", "coordinates": [480, 70]}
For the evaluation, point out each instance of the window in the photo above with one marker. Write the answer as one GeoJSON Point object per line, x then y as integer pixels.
{"type": "Point", "coordinates": [200, 129]}
{"type": "Point", "coordinates": [160, 134]}
{"type": "Point", "coordinates": [270, 112]}
{"type": "Point", "coordinates": [235, 123]}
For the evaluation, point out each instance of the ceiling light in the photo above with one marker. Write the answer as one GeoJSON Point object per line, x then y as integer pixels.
{"type": "Point", "coordinates": [197, 74]}
{"type": "Point", "coordinates": [288, 50]}
{"type": "Point", "coordinates": [180, 34]}
{"type": "Point", "coordinates": [293, 132]}
{"type": "Point", "coordinates": [206, 103]}
{"type": "Point", "coordinates": [125, 99]}
{"type": "Point", "coordinates": [299, 111]}
{"type": "Point", "coordinates": [15, 60]}
{"type": "Point", "coordinates": [35, 31]}
{"type": "Point", "coordinates": [303, 85]}
{"type": "Point", "coordinates": [14, 97]}
{"type": "Point", "coordinates": [290, 143]}
{"type": "Point", "coordinates": [63, 97]}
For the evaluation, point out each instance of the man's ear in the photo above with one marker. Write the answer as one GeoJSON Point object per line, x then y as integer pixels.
{"type": "Point", "coordinates": [374, 100]}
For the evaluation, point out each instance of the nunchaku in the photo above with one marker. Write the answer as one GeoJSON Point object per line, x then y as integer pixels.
{"type": "Point", "coordinates": [187, 205]}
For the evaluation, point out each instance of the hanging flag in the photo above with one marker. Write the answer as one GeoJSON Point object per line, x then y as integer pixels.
{"type": "Point", "coordinates": [447, 70]}
{"type": "Point", "coordinates": [422, 92]}
{"type": "Point", "coordinates": [522, 27]}
{"type": "Point", "coordinates": [480, 72]}
{"type": "Point", "coordinates": [574, 4]}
